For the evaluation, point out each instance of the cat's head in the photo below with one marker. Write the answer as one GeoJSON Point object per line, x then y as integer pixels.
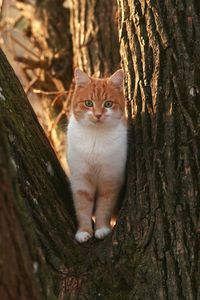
{"type": "Point", "coordinates": [98, 102]}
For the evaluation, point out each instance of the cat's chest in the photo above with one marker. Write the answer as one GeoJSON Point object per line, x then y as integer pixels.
{"type": "Point", "coordinates": [93, 144]}
{"type": "Point", "coordinates": [97, 145]}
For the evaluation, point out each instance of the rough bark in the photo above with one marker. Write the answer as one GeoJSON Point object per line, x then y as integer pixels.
{"type": "Point", "coordinates": [160, 52]}
{"type": "Point", "coordinates": [41, 199]}
{"type": "Point", "coordinates": [95, 36]}
{"type": "Point", "coordinates": [16, 276]}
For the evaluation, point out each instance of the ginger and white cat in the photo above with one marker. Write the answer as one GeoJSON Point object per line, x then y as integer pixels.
{"type": "Point", "coordinates": [97, 150]}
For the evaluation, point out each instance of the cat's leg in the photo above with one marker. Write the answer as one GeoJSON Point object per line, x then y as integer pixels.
{"type": "Point", "coordinates": [83, 195]}
{"type": "Point", "coordinates": [107, 196]}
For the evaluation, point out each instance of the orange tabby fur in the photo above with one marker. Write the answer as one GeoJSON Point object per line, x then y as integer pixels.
{"type": "Point", "coordinates": [98, 90]}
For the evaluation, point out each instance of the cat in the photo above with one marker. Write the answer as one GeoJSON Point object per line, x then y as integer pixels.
{"type": "Point", "coordinates": [97, 151]}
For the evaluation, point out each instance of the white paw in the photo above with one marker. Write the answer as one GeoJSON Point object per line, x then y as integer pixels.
{"type": "Point", "coordinates": [82, 236]}
{"type": "Point", "coordinates": [102, 232]}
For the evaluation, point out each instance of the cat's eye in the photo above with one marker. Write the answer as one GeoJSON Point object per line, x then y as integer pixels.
{"type": "Point", "coordinates": [108, 104]}
{"type": "Point", "coordinates": [89, 103]}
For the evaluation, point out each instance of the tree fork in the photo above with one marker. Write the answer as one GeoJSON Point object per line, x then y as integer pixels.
{"type": "Point", "coordinates": [42, 200]}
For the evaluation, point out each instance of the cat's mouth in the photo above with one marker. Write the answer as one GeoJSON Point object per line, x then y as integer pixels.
{"type": "Point", "coordinates": [97, 121]}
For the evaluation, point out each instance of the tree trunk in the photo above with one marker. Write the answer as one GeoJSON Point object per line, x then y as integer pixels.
{"type": "Point", "coordinates": [153, 252]}
{"type": "Point", "coordinates": [41, 201]}
{"type": "Point", "coordinates": [160, 52]}
{"type": "Point", "coordinates": [95, 36]}
{"type": "Point", "coordinates": [14, 257]}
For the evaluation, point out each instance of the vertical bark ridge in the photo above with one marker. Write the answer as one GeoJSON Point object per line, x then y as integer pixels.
{"type": "Point", "coordinates": [165, 113]}
{"type": "Point", "coordinates": [95, 36]}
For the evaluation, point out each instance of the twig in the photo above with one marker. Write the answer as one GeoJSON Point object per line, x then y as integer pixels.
{"type": "Point", "coordinates": [49, 93]}
{"type": "Point", "coordinates": [31, 83]}
{"type": "Point", "coordinates": [55, 99]}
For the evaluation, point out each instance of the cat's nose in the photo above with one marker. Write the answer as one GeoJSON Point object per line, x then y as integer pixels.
{"type": "Point", "coordinates": [98, 116]}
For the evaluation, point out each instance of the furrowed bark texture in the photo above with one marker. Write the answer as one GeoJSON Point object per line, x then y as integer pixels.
{"type": "Point", "coordinates": [160, 51]}
{"type": "Point", "coordinates": [95, 36]}
{"type": "Point", "coordinates": [16, 276]}
{"type": "Point", "coordinates": [42, 199]}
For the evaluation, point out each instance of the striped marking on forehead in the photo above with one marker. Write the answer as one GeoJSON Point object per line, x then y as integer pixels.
{"type": "Point", "coordinates": [98, 90]}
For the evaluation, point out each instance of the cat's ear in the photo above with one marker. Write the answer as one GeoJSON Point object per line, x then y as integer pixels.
{"type": "Point", "coordinates": [81, 78]}
{"type": "Point", "coordinates": [117, 78]}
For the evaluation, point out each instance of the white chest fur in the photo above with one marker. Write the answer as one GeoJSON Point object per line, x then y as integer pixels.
{"type": "Point", "coordinates": [97, 146]}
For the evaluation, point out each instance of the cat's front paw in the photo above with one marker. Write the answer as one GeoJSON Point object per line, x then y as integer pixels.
{"type": "Point", "coordinates": [82, 236]}
{"type": "Point", "coordinates": [102, 232]}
